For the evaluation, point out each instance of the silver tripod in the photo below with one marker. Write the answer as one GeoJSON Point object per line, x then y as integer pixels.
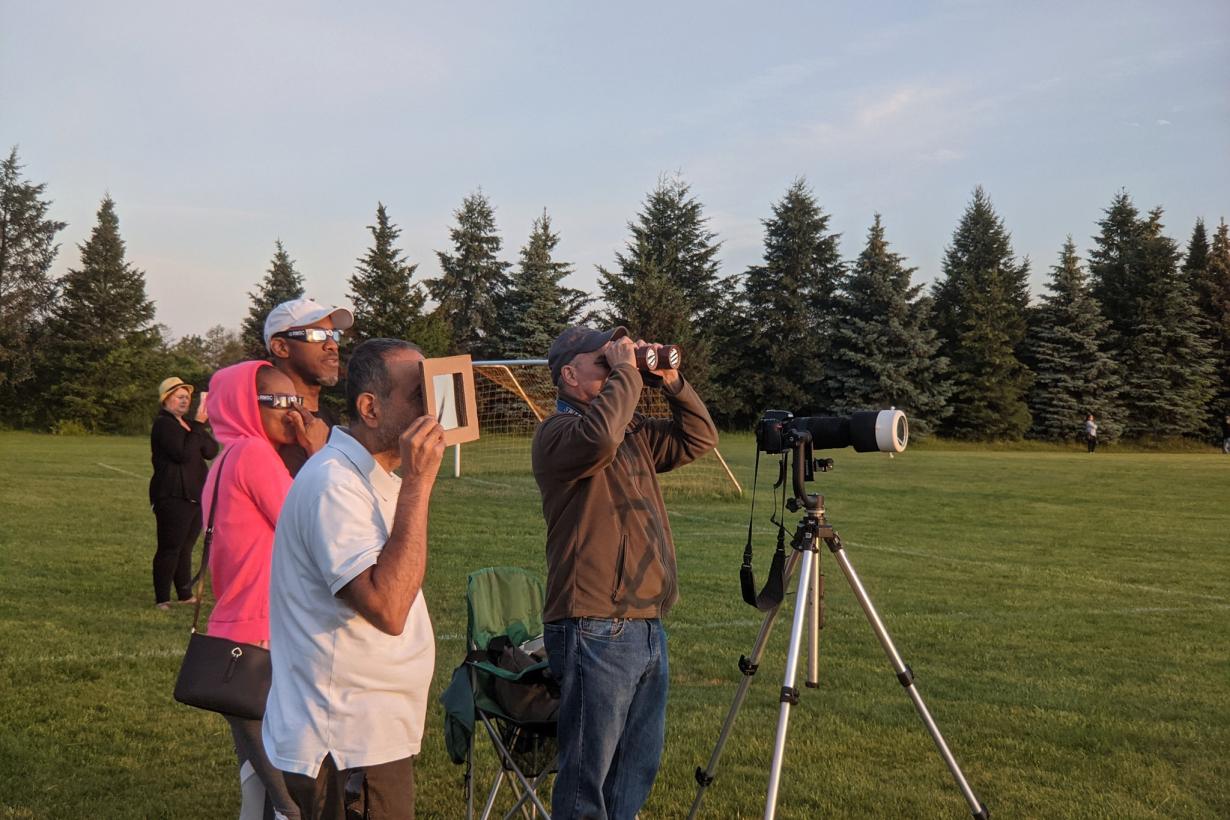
{"type": "Point", "coordinates": [813, 528]}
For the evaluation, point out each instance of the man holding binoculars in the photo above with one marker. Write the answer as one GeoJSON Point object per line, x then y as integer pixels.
{"type": "Point", "coordinates": [610, 560]}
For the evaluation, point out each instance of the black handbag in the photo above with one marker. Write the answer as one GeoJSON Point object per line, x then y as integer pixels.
{"type": "Point", "coordinates": [219, 674]}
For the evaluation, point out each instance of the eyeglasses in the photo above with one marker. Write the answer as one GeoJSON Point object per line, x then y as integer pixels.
{"type": "Point", "coordinates": [279, 401]}
{"type": "Point", "coordinates": [313, 334]}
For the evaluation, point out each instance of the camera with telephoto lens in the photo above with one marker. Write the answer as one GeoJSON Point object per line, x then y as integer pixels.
{"type": "Point", "coordinates": [867, 431]}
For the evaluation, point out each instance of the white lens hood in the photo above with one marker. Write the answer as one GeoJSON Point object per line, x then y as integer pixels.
{"type": "Point", "coordinates": [887, 422]}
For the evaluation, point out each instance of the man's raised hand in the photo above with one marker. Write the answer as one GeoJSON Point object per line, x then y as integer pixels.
{"type": "Point", "coordinates": [422, 448]}
{"type": "Point", "coordinates": [619, 351]}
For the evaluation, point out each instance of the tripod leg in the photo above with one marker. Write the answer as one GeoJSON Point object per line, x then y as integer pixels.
{"type": "Point", "coordinates": [904, 674]}
{"type": "Point", "coordinates": [747, 665]}
{"type": "Point", "coordinates": [815, 612]}
{"type": "Point", "coordinates": [790, 695]}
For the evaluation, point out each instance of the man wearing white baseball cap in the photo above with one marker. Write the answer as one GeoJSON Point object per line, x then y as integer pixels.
{"type": "Point", "coordinates": [302, 337]}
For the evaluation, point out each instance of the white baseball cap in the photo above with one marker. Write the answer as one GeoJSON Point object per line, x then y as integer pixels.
{"type": "Point", "coordinates": [301, 312]}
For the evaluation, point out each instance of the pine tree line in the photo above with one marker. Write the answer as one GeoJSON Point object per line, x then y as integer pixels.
{"type": "Point", "coordinates": [1140, 336]}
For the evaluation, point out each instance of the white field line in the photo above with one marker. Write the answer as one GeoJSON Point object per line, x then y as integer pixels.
{"type": "Point", "coordinates": [1002, 566]}
{"type": "Point", "coordinates": [118, 470]}
{"type": "Point", "coordinates": [75, 657]}
{"type": "Point", "coordinates": [689, 516]}
{"type": "Point", "coordinates": [707, 626]}
{"type": "Point", "coordinates": [489, 483]}
{"type": "Point", "coordinates": [985, 617]}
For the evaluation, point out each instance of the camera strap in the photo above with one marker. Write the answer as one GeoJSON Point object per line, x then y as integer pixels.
{"type": "Point", "coordinates": [770, 596]}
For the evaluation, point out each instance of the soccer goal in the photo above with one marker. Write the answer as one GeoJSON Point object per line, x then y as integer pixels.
{"type": "Point", "coordinates": [513, 396]}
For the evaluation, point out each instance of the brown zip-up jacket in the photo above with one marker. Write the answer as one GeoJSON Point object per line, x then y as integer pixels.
{"type": "Point", "coordinates": [609, 547]}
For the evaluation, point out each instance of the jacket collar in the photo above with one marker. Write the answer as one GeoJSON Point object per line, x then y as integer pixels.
{"type": "Point", "coordinates": [569, 406]}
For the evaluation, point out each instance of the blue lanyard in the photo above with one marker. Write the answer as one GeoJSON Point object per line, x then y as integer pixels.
{"type": "Point", "coordinates": [562, 406]}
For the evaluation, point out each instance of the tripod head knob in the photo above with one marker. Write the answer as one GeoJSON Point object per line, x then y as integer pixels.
{"type": "Point", "coordinates": [810, 503]}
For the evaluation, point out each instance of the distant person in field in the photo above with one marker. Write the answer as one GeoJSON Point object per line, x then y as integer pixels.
{"type": "Point", "coordinates": [254, 408]}
{"type": "Point", "coordinates": [303, 337]}
{"type": "Point", "coordinates": [1225, 434]}
{"type": "Point", "coordinates": [1091, 432]}
{"type": "Point", "coordinates": [352, 642]}
{"type": "Point", "coordinates": [611, 573]}
{"type": "Point", "coordinates": [179, 448]}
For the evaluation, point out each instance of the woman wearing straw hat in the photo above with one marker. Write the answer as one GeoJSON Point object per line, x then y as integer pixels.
{"type": "Point", "coordinates": [179, 448]}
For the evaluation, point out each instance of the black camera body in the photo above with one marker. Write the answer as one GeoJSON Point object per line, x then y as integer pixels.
{"type": "Point", "coordinates": [867, 431]}
{"type": "Point", "coordinates": [773, 431]}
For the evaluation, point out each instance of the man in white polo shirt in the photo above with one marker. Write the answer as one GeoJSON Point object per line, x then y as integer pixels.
{"type": "Point", "coordinates": [352, 643]}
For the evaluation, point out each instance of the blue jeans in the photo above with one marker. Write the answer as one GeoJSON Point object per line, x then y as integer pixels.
{"type": "Point", "coordinates": [613, 676]}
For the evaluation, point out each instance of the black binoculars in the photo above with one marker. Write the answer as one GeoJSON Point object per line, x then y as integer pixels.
{"type": "Point", "coordinates": [668, 357]}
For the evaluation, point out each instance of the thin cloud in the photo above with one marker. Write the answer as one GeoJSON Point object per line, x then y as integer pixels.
{"type": "Point", "coordinates": [734, 99]}
{"type": "Point", "coordinates": [920, 119]}
{"type": "Point", "coordinates": [758, 89]}
{"type": "Point", "coordinates": [941, 155]}
{"type": "Point", "coordinates": [883, 111]}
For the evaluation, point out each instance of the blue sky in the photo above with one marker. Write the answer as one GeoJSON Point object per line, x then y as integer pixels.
{"type": "Point", "coordinates": [221, 127]}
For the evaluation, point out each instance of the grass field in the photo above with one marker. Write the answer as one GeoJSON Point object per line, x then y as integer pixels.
{"type": "Point", "coordinates": [1067, 617]}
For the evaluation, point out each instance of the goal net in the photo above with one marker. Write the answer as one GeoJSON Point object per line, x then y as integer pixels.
{"type": "Point", "coordinates": [513, 396]}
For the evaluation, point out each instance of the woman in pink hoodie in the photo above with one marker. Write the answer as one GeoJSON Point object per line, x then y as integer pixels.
{"type": "Point", "coordinates": [251, 406]}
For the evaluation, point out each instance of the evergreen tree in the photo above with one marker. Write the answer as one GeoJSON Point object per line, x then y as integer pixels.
{"type": "Point", "coordinates": [666, 286]}
{"type": "Point", "coordinates": [1167, 363]}
{"type": "Point", "coordinates": [1115, 273]}
{"type": "Point", "coordinates": [27, 291]}
{"type": "Point", "coordinates": [102, 354]}
{"type": "Point", "coordinates": [536, 306]}
{"type": "Point", "coordinates": [281, 284]}
{"type": "Point", "coordinates": [1158, 333]}
{"type": "Point", "coordinates": [1206, 290]}
{"type": "Point", "coordinates": [1218, 277]}
{"type": "Point", "coordinates": [884, 354]}
{"type": "Point", "coordinates": [387, 304]}
{"type": "Point", "coordinates": [473, 280]}
{"type": "Point", "coordinates": [432, 335]}
{"type": "Point", "coordinates": [1074, 375]}
{"type": "Point", "coordinates": [726, 395]}
{"type": "Point", "coordinates": [1196, 261]}
{"type": "Point", "coordinates": [786, 306]}
{"type": "Point", "coordinates": [980, 316]}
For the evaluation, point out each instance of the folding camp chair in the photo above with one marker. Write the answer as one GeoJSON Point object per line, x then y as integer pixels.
{"type": "Point", "coordinates": [504, 606]}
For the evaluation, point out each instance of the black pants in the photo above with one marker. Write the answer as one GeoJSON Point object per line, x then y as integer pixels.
{"type": "Point", "coordinates": [1092, 441]}
{"type": "Point", "coordinates": [386, 791]}
{"type": "Point", "coordinates": [179, 524]}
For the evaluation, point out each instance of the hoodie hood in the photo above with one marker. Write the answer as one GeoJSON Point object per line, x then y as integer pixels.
{"type": "Point", "coordinates": [233, 412]}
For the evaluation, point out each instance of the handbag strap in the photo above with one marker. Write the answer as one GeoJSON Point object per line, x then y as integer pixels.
{"type": "Point", "coordinates": [199, 581]}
